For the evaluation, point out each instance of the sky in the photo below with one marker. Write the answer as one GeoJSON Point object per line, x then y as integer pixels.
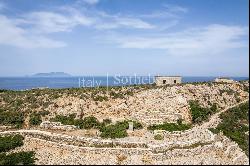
{"type": "Point", "coordinates": [125, 37]}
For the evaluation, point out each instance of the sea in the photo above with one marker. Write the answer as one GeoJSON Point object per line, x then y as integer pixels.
{"type": "Point", "coordinates": [26, 83]}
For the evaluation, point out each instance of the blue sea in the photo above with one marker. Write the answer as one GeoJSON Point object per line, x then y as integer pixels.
{"type": "Point", "coordinates": [24, 83]}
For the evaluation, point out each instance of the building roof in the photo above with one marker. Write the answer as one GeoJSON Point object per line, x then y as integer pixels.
{"type": "Point", "coordinates": [167, 76]}
{"type": "Point", "coordinates": [224, 78]}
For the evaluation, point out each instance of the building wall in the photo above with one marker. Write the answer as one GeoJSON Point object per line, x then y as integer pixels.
{"type": "Point", "coordinates": [168, 80]}
{"type": "Point", "coordinates": [224, 80]}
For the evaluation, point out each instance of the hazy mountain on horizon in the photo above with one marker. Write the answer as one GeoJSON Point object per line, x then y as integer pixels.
{"type": "Point", "coordinates": [52, 74]}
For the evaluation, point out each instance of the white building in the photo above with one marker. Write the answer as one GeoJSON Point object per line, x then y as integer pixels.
{"type": "Point", "coordinates": [224, 80]}
{"type": "Point", "coordinates": [167, 80]}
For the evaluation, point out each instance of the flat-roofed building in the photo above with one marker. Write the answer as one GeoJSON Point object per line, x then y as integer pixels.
{"type": "Point", "coordinates": [224, 80]}
{"type": "Point", "coordinates": [167, 80]}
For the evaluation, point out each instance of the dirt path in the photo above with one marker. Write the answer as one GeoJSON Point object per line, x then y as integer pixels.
{"type": "Point", "coordinates": [215, 119]}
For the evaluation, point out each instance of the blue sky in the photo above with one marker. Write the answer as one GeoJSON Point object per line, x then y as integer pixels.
{"type": "Point", "coordinates": [95, 37]}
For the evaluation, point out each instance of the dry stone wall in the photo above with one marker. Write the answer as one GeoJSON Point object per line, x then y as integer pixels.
{"type": "Point", "coordinates": [155, 105]}
{"type": "Point", "coordinates": [222, 151]}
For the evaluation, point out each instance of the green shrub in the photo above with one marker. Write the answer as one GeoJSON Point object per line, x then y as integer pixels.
{"type": "Point", "coordinates": [43, 113]}
{"type": "Point", "coordinates": [118, 130]}
{"type": "Point", "coordinates": [86, 123]}
{"type": "Point", "coordinates": [228, 91]}
{"type": "Point", "coordinates": [235, 124]}
{"type": "Point", "coordinates": [158, 137]}
{"type": "Point", "coordinates": [113, 131]}
{"type": "Point", "coordinates": [125, 124]}
{"type": "Point", "coordinates": [10, 142]}
{"type": "Point", "coordinates": [11, 118]}
{"type": "Point", "coordinates": [200, 114]}
{"type": "Point", "coordinates": [66, 120]}
{"type": "Point", "coordinates": [19, 158]}
{"type": "Point", "coordinates": [107, 121]}
{"type": "Point", "coordinates": [246, 88]}
{"type": "Point", "coordinates": [90, 122]}
{"type": "Point", "coordinates": [116, 95]}
{"type": "Point", "coordinates": [3, 90]}
{"type": "Point", "coordinates": [35, 119]}
{"type": "Point", "coordinates": [215, 131]}
{"type": "Point", "coordinates": [179, 121]}
{"type": "Point", "coordinates": [99, 98]}
{"type": "Point", "coordinates": [136, 124]}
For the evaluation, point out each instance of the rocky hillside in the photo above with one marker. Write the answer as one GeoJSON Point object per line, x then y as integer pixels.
{"type": "Point", "coordinates": [148, 104]}
{"type": "Point", "coordinates": [88, 126]}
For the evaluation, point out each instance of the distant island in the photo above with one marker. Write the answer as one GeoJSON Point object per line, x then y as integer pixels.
{"type": "Point", "coordinates": [52, 74]}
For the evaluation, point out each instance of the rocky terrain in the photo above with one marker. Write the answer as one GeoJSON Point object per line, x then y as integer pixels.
{"type": "Point", "coordinates": [56, 143]}
{"type": "Point", "coordinates": [154, 105]}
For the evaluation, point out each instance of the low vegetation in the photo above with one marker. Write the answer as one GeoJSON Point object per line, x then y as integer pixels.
{"type": "Point", "coordinates": [8, 143]}
{"type": "Point", "coordinates": [235, 125]}
{"type": "Point", "coordinates": [113, 131]}
{"type": "Point", "coordinates": [19, 158]}
{"type": "Point", "coordinates": [158, 137]}
{"type": "Point", "coordinates": [99, 98]}
{"type": "Point", "coordinates": [200, 114]}
{"type": "Point", "coordinates": [11, 117]}
{"type": "Point", "coordinates": [86, 123]}
{"type": "Point", "coordinates": [108, 130]}
{"type": "Point", "coordinates": [35, 119]}
{"type": "Point", "coordinates": [118, 130]}
{"type": "Point", "coordinates": [65, 120]}
{"type": "Point", "coordinates": [228, 91]}
{"type": "Point", "coordinates": [170, 126]}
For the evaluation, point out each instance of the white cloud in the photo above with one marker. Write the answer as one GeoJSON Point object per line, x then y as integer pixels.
{"type": "Point", "coordinates": [175, 8]}
{"type": "Point", "coordinates": [123, 22]}
{"type": "Point", "coordinates": [169, 11]}
{"type": "Point", "coordinates": [16, 36]}
{"type": "Point", "coordinates": [31, 29]}
{"type": "Point", "coordinates": [49, 22]}
{"type": "Point", "coordinates": [212, 39]}
{"type": "Point", "coordinates": [91, 2]}
{"type": "Point", "coordinates": [115, 21]}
